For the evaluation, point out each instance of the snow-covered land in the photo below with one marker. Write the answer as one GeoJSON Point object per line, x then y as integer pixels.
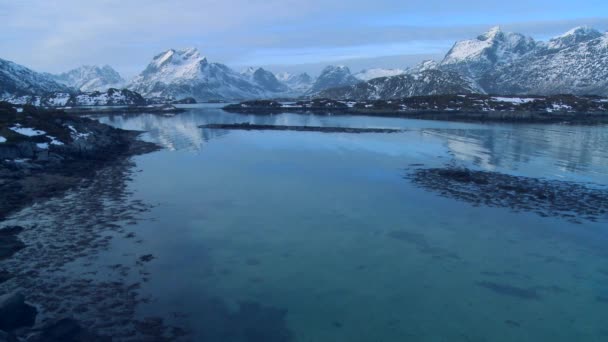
{"type": "Point", "coordinates": [111, 97]}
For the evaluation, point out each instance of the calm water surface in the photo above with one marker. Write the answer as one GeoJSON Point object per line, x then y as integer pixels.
{"type": "Point", "coordinates": [302, 221]}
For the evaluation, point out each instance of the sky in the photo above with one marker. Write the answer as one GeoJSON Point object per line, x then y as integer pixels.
{"type": "Point", "coordinates": [280, 35]}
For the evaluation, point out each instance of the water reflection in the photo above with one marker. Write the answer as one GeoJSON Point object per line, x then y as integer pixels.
{"type": "Point", "coordinates": [552, 151]}
{"type": "Point", "coordinates": [543, 151]}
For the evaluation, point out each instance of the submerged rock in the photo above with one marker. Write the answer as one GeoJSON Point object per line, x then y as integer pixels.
{"type": "Point", "coordinates": [9, 243]}
{"type": "Point", "coordinates": [15, 313]}
{"type": "Point", "coordinates": [548, 198]}
{"type": "Point", "coordinates": [252, 322]}
{"type": "Point", "coordinates": [68, 330]}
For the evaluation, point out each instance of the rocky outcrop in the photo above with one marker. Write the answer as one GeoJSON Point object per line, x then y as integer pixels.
{"type": "Point", "coordinates": [15, 312]}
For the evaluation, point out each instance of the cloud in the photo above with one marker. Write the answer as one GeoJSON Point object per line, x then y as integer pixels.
{"type": "Point", "coordinates": [54, 36]}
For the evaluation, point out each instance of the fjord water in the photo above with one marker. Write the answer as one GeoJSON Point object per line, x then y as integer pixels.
{"type": "Point", "coordinates": [326, 227]}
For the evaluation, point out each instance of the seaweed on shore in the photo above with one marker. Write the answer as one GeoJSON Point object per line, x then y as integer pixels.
{"type": "Point", "coordinates": [548, 198]}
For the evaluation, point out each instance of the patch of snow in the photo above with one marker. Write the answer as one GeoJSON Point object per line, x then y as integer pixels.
{"type": "Point", "coordinates": [2, 139]}
{"type": "Point", "coordinates": [43, 146]}
{"type": "Point", "coordinates": [55, 141]}
{"type": "Point", "coordinates": [516, 100]}
{"type": "Point", "coordinates": [369, 74]}
{"type": "Point", "coordinates": [77, 135]}
{"type": "Point", "coordinates": [30, 132]}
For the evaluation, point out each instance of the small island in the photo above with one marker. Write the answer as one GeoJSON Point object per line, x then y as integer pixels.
{"type": "Point", "coordinates": [469, 107]}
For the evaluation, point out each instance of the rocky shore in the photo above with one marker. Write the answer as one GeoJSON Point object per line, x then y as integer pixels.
{"type": "Point", "coordinates": [75, 171]}
{"type": "Point", "coordinates": [43, 153]}
{"type": "Point", "coordinates": [470, 107]}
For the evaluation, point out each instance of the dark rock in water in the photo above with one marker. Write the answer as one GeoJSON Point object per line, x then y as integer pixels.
{"type": "Point", "coordinates": [6, 337]}
{"type": "Point", "coordinates": [4, 276]}
{"type": "Point", "coordinates": [512, 323]}
{"type": "Point", "coordinates": [509, 290]}
{"type": "Point", "coordinates": [249, 127]}
{"type": "Point", "coordinates": [15, 313]}
{"type": "Point", "coordinates": [9, 243]}
{"type": "Point", "coordinates": [548, 198]}
{"type": "Point", "coordinates": [68, 330]}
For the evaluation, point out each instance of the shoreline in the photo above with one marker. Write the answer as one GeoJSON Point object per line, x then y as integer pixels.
{"type": "Point", "coordinates": [63, 180]}
{"type": "Point", "coordinates": [460, 108]}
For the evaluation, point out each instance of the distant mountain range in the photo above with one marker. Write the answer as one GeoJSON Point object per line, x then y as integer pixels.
{"type": "Point", "coordinates": [499, 62]}
{"type": "Point", "coordinates": [495, 62]}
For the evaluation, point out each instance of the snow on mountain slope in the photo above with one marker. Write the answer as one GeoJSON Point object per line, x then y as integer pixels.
{"type": "Point", "coordinates": [298, 83]}
{"type": "Point", "coordinates": [495, 47]}
{"type": "Point", "coordinates": [576, 68]}
{"type": "Point", "coordinates": [332, 77]}
{"type": "Point", "coordinates": [574, 36]}
{"type": "Point", "coordinates": [91, 78]}
{"type": "Point", "coordinates": [185, 73]}
{"type": "Point", "coordinates": [265, 79]}
{"type": "Point", "coordinates": [16, 79]}
{"type": "Point", "coordinates": [423, 66]}
{"type": "Point", "coordinates": [428, 82]}
{"type": "Point", "coordinates": [369, 74]}
{"type": "Point", "coordinates": [510, 63]}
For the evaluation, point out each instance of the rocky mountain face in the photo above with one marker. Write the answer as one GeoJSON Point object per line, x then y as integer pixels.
{"type": "Point", "coordinates": [510, 63]}
{"type": "Point", "coordinates": [91, 78]}
{"type": "Point", "coordinates": [333, 77]}
{"type": "Point", "coordinates": [266, 80]}
{"type": "Point", "coordinates": [16, 79]}
{"type": "Point", "coordinates": [297, 83]}
{"type": "Point", "coordinates": [574, 63]}
{"type": "Point", "coordinates": [427, 82]}
{"type": "Point", "coordinates": [185, 73]}
{"type": "Point", "coordinates": [499, 62]}
{"type": "Point", "coordinates": [370, 74]}
{"type": "Point", "coordinates": [111, 97]}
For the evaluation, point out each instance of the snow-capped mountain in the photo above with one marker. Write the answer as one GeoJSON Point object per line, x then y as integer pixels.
{"type": "Point", "coordinates": [370, 74]}
{"type": "Point", "coordinates": [91, 78]}
{"type": "Point", "coordinates": [265, 79]}
{"type": "Point", "coordinates": [423, 66]}
{"type": "Point", "coordinates": [18, 80]}
{"type": "Point", "coordinates": [298, 83]}
{"type": "Point", "coordinates": [332, 77]}
{"type": "Point", "coordinates": [495, 47]}
{"type": "Point", "coordinates": [111, 97]}
{"type": "Point", "coordinates": [185, 73]}
{"type": "Point", "coordinates": [574, 63]}
{"type": "Point", "coordinates": [427, 82]}
{"type": "Point", "coordinates": [510, 63]}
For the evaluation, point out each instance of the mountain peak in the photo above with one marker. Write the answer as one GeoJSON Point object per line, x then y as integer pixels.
{"type": "Point", "coordinates": [574, 36]}
{"type": "Point", "coordinates": [91, 78]}
{"type": "Point", "coordinates": [581, 31]}
{"type": "Point", "coordinates": [491, 34]}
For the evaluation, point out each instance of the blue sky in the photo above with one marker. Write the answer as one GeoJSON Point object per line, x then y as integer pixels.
{"type": "Point", "coordinates": [281, 35]}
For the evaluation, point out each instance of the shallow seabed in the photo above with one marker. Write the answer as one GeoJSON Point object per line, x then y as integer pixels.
{"type": "Point", "coordinates": [326, 239]}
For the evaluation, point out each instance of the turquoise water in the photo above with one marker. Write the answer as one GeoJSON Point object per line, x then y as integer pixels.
{"type": "Point", "coordinates": [326, 227]}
